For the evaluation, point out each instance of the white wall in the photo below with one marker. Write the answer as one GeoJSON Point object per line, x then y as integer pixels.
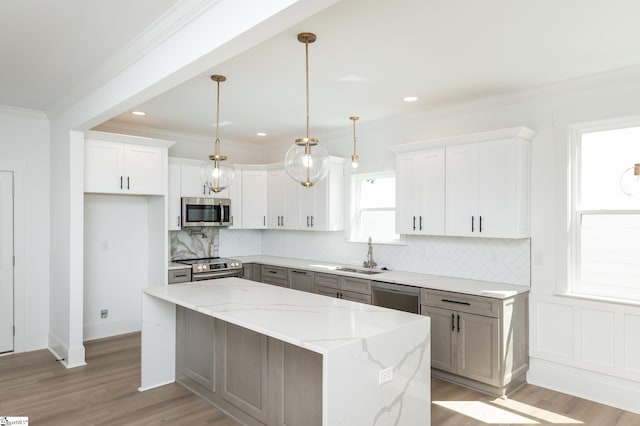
{"type": "Point", "coordinates": [116, 255]}
{"type": "Point", "coordinates": [24, 137]}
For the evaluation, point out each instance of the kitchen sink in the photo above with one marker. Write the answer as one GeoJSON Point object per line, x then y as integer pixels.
{"type": "Point", "coordinates": [357, 270]}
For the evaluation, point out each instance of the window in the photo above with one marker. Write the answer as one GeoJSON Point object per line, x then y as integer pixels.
{"type": "Point", "coordinates": [373, 212]}
{"type": "Point", "coordinates": [606, 231]}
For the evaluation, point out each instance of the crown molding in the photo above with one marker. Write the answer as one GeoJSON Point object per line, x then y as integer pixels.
{"type": "Point", "coordinates": [7, 109]}
{"type": "Point", "coordinates": [172, 21]}
{"type": "Point", "coordinates": [150, 132]}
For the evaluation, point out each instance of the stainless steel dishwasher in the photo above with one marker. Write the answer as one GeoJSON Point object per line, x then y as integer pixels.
{"type": "Point", "coordinates": [396, 296]}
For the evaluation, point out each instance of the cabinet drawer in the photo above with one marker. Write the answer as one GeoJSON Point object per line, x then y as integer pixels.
{"type": "Point", "coordinates": [357, 285]}
{"type": "Point", "coordinates": [327, 280]}
{"type": "Point", "coordinates": [355, 297]}
{"type": "Point", "coordinates": [461, 302]}
{"type": "Point", "coordinates": [273, 272]}
{"type": "Point", "coordinates": [325, 291]}
{"type": "Point", "coordinates": [179, 275]}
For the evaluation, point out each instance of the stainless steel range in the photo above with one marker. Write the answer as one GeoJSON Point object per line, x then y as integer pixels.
{"type": "Point", "coordinates": [212, 268]}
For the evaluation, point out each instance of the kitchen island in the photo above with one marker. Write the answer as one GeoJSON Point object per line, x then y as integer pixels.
{"type": "Point", "coordinates": [374, 363]}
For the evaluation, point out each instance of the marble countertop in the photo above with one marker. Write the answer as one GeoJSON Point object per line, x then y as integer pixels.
{"type": "Point", "coordinates": [307, 320]}
{"type": "Point", "coordinates": [458, 285]}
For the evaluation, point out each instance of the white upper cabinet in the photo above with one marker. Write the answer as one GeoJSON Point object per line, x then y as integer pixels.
{"type": "Point", "coordinates": [191, 183]}
{"type": "Point", "coordinates": [283, 199]}
{"type": "Point", "coordinates": [482, 178]}
{"type": "Point", "coordinates": [120, 164]}
{"type": "Point", "coordinates": [488, 189]}
{"type": "Point", "coordinates": [420, 192]}
{"type": "Point", "coordinates": [174, 204]}
{"type": "Point", "coordinates": [254, 199]}
{"type": "Point", "coordinates": [317, 208]}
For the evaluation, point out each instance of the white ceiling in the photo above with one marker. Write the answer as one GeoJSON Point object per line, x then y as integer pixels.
{"type": "Point", "coordinates": [369, 54]}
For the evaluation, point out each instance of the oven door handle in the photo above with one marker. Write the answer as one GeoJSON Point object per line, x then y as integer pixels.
{"type": "Point", "coordinates": [214, 275]}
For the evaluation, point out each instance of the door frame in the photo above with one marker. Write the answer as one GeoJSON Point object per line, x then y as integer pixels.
{"type": "Point", "coordinates": [18, 168]}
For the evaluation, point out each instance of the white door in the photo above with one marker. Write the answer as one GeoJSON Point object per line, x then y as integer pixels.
{"type": "Point", "coordinates": [6, 262]}
{"type": "Point", "coordinates": [143, 169]}
{"type": "Point", "coordinates": [461, 190]}
{"type": "Point", "coordinates": [254, 199]}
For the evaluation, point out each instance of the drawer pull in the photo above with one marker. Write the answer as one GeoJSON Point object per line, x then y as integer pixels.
{"type": "Point", "coordinates": [179, 276]}
{"type": "Point", "coordinates": [456, 302]}
{"type": "Point", "coordinates": [299, 272]}
{"type": "Point", "coordinates": [273, 272]}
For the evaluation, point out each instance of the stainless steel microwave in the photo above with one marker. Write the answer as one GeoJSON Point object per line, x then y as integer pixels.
{"type": "Point", "coordinates": [199, 212]}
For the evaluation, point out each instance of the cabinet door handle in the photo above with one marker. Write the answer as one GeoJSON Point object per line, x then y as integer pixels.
{"type": "Point", "coordinates": [264, 221]}
{"type": "Point", "coordinates": [421, 223]}
{"type": "Point", "coordinates": [204, 189]}
{"type": "Point", "coordinates": [128, 182]}
{"type": "Point", "coordinates": [121, 182]}
{"type": "Point", "coordinates": [472, 223]}
{"type": "Point", "coordinates": [312, 221]}
{"type": "Point", "coordinates": [453, 322]}
{"type": "Point", "coordinates": [178, 221]}
{"type": "Point", "coordinates": [458, 323]}
{"type": "Point", "coordinates": [480, 223]}
{"type": "Point", "coordinates": [414, 223]}
{"type": "Point", "coordinates": [282, 220]}
{"type": "Point", "coordinates": [307, 221]}
{"type": "Point", "coordinates": [456, 302]}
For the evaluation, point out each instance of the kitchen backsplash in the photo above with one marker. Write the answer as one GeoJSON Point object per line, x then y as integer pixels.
{"type": "Point", "coordinates": [185, 245]}
{"type": "Point", "coordinates": [487, 259]}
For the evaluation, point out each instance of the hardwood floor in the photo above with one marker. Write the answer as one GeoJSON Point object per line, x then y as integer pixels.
{"type": "Point", "coordinates": [105, 391]}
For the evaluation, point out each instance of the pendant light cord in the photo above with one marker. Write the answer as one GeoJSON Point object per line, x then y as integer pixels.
{"type": "Point", "coordinates": [217, 142]}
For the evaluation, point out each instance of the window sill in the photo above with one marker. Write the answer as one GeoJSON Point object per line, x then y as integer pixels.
{"type": "Point", "coordinates": [603, 299]}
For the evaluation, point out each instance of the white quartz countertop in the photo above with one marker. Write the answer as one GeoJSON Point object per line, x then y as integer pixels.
{"type": "Point", "coordinates": [458, 285]}
{"type": "Point", "coordinates": [307, 320]}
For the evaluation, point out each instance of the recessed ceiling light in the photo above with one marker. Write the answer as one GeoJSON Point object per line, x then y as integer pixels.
{"type": "Point", "coordinates": [139, 113]}
{"type": "Point", "coordinates": [261, 134]}
{"type": "Point", "coordinates": [410, 98]}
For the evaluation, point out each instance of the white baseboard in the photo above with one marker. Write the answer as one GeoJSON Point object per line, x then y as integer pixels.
{"type": "Point", "coordinates": [601, 388]}
{"type": "Point", "coordinates": [70, 357]}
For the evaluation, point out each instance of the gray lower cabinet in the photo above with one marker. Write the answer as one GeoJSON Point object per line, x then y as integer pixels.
{"type": "Point", "coordinates": [343, 287]}
{"type": "Point", "coordinates": [479, 342]}
{"type": "Point", "coordinates": [301, 280]}
{"type": "Point", "coordinates": [257, 379]}
{"type": "Point", "coordinates": [275, 275]}
{"type": "Point", "coordinates": [251, 271]}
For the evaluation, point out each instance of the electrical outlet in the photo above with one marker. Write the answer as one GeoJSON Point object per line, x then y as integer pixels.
{"type": "Point", "coordinates": [104, 313]}
{"type": "Point", "coordinates": [385, 375]}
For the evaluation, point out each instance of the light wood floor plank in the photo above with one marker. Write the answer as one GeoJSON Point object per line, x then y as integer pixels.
{"type": "Point", "coordinates": [105, 391]}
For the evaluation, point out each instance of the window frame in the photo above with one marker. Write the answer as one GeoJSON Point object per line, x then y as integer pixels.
{"type": "Point", "coordinates": [355, 211]}
{"type": "Point", "coordinates": [573, 286]}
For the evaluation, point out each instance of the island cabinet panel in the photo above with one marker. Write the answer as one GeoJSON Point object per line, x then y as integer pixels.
{"type": "Point", "coordinates": [302, 387]}
{"type": "Point", "coordinates": [243, 367]}
{"type": "Point", "coordinates": [195, 355]}
{"type": "Point", "coordinates": [479, 342]}
{"type": "Point", "coordinates": [257, 379]}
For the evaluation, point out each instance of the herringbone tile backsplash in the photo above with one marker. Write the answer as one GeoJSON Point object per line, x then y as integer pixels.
{"type": "Point", "coordinates": [487, 259]}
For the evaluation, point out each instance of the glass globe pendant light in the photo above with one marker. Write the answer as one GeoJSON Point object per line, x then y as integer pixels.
{"type": "Point", "coordinates": [307, 161]}
{"type": "Point", "coordinates": [217, 173]}
{"type": "Point", "coordinates": [354, 157]}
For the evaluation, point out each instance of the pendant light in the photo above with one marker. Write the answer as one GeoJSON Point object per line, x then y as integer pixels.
{"type": "Point", "coordinates": [354, 157]}
{"type": "Point", "coordinates": [307, 161]}
{"type": "Point", "coordinates": [217, 173]}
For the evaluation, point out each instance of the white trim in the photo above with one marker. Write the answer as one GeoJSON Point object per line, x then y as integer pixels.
{"type": "Point", "coordinates": [128, 139]}
{"type": "Point", "coordinates": [588, 384]}
{"type": "Point", "coordinates": [32, 113]}
{"type": "Point", "coordinates": [18, 168]}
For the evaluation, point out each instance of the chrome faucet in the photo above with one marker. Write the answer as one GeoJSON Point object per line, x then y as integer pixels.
{"type": "Point", "coordinates": [370, 263]}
